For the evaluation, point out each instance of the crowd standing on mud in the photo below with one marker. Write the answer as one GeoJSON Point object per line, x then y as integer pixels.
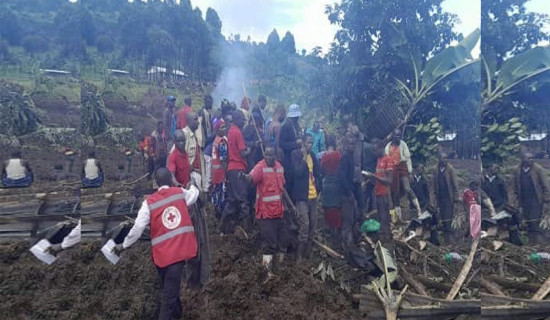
{"type": "Point", "coordinates": [267, 172]}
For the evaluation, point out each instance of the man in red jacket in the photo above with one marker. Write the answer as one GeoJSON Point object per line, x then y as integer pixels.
{"type": "Point", "coordinates": [173, 237]}
{"type": "Point", "coordinates": [178, 161]}
{"type": "Point", "coordinates": [182, 114]}
{"type": "Point", "coordinates": [237, 206]}
{"type": "Point", "coordinates": [269, 178]}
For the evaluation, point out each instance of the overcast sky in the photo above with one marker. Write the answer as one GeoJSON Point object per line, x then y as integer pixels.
{"type": "Point", "coordinates": [308, 22]}
{"type": "Point", "coordinates": [305, 18]}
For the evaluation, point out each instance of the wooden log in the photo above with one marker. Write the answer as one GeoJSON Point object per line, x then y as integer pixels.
{"type": "Point", "coordinates": [543, 291]}
{"type": "Point", "coordinates": [435, 284]}
{"type": "Point", "coordinates": [419, 287]}
{"type": "Point", "coordinates": [464, 272]}
{"type": "Point", "coordinates": [328, 250]}
{"type": "Point", "coordinates": [531, 287]}
{"type": "Point", "coordinates": [492, 287]}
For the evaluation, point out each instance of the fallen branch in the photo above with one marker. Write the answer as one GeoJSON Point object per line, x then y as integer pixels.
{"type": "Point", "coordinates": [524, 286]}
{"type": "Point", "coordinates": [464, 272]}
{"type": "Point", "coordinates": [492, 287]}
{"type": "Point", "coordinates": [419, 287]}
{"type": "Point", "coordinates": [390, 302]}
{"type": "Point", "coordinates": [474, 274]}
{"type": "Point", "coordinates": [431, 262]}
{"type": "Point", "coordinates": [510, 261]}
{"type": "Point", "coordinates": [328, 250]}
{"type": "Point", "coordinates": [435, 284]}
{"type": "Point", "coordinates": [543, 291]}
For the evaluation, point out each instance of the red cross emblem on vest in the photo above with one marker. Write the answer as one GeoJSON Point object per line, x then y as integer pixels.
{"type": "Point", "coordinates": [171, 217]}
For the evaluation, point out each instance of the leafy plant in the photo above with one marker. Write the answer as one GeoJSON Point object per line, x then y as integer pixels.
{"type": "Point", "coordinates": [423, 140]}
{"type": "Point", "coordinates": [501, 141]}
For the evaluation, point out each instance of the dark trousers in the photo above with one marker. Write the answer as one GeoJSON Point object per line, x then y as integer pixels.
{"type": "Point", "coordinates": [237, 201]}
{"type": "Point", "coordinates": [272, 234]}
{"type": "Point", "coordinates": [446, 213]}
{"type": "Point", "coordinates": [350, 215]}
{"type": "Point", "coordinates": [359, 197]}
{"type": "Point", "coordinates": [307, 218]}
{"type": "Point", "coordinates": [170, 281]}
{"type": "Point", "coordinates": [383, 209]}
{"type": "Point", "coordinates": [532, 210]}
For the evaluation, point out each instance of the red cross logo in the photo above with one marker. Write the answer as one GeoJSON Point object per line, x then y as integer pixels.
{"type": "Point", "coordinates": [171, 217]}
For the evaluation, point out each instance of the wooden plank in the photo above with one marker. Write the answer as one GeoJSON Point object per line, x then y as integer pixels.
{"type": "Point", "coordinates": [531, 287]}
{"type": "Point", "coordinates": [464, 272]}
{"type": "Point", "coordinates": [492, 287]}
{"type": "Point", "coordinates": [543, 291]}
{"type": "Point", "coordinates": [419, 287]}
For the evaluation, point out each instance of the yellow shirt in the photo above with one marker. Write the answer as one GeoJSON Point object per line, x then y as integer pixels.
{"type": "Point", "coordinates": [312, 191]}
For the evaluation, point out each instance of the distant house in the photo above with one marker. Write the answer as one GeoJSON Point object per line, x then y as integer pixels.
{"type": "Point", "coordinates": [536, 143]}
{"type": "Point", "coordinates": [118, 73]}
{"type": "Point", "coordinates": [160, 72]}
{"type": "Point", "coordinates": [55, 73]}
{"type": "Point", "coordinates": [447, 144]}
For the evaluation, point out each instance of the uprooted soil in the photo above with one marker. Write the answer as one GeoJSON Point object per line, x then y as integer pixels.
{"type": "Point", "coordinates": [85, 286]}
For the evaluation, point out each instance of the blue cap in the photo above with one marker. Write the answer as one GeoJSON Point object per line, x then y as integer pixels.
{"type": "Point", "coordinates": [170, 98]}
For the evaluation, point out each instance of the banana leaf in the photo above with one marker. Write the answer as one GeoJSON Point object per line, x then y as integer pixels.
{"type": "Point", "coordinates": [449, 59]}
{"type": "Point", "coordinates": [523, 66]}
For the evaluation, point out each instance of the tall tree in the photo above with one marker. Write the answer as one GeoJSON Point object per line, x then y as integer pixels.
{"type": "Point", "coordinates": [273, 41]}
{"type": "Point", "coordinates": [213, 21]}
{"type": "Point", "coordinates": [287, 44]}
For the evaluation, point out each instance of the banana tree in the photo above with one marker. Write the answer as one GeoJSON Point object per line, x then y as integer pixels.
{"type": "Point", "coordinates": [439, 67]}
{"type": "Point", "coordinates": [513, 72]}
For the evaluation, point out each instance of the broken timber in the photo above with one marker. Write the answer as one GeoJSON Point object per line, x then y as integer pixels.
{"type": "Point", "coordinates": [498, 307]}
{"type": "Point", "coordinates": [415, 306]}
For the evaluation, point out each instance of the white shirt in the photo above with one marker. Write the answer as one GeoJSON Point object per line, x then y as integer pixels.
{"type": "Point", "coordinates": [15, 169]}
{"type": "Point", "coordinates": [144, 215]}
{"type": "Point", "coordinates": [91, 171]}
{"type": "Point", "coordinates": [72, 238]}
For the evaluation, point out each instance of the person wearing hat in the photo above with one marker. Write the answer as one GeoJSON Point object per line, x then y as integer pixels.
{"type": "Point", "coordinates": [289, 136]}
{"type": "Point", "coordinates": [168, 121]}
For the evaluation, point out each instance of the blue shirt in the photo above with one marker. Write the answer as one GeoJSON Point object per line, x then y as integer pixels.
{"type": "Point", "coordinates": [318, 140]}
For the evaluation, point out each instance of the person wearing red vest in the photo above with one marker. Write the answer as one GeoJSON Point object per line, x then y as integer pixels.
{"type": "Point", "coordinates": [269, 178]}
{"type": "Point", "coordinates": [173, 237]}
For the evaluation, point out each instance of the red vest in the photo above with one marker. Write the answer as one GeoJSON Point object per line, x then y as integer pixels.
{"type": "Point", "coordinates": [269, 200]}
{"type": "Point", "coordinates": [172, 233]}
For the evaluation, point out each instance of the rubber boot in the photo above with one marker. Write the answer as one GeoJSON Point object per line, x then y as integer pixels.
{"type": "Point", "coordinates": [267, 260]}
{"type": "Point", "coordinates": [308, 249]}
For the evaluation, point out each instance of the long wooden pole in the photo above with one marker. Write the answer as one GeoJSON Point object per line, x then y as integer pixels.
{"type": "Point", "coordinates": [464, 272]}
